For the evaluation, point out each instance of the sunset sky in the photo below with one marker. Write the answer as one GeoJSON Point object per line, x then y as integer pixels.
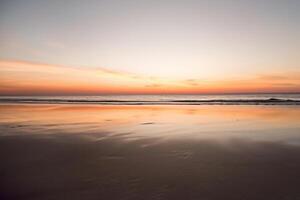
{"type": "Point", "coordinates": [58, 47]}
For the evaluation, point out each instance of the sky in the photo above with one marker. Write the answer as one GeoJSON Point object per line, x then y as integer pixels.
{"type": "Point", "coordinates": [149, 47]}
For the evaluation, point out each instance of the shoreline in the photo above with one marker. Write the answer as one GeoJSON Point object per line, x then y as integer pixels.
{"type": "Point", "coordinates": [270, 101]}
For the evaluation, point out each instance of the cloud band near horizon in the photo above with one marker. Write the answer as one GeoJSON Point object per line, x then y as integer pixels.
{"type": "Point", "coordinates": [30, 78]}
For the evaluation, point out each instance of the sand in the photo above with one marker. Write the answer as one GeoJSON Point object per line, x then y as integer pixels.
{"type": "Point", "coordinates": [150, 152]}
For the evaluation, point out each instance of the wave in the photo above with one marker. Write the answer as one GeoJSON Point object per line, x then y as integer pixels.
{"type": "Point", "coordinates": [269, 101]}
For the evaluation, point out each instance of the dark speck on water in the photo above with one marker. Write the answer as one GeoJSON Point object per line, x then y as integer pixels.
{"type": "Point", "coordinates": [147, 123]}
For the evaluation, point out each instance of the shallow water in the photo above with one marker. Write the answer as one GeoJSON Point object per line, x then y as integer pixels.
{"type": "Point", "coordinates": [149, 152]}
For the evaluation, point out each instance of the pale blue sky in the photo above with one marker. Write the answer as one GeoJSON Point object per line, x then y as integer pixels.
{"type": "Point", "coordinates": [197, 39]}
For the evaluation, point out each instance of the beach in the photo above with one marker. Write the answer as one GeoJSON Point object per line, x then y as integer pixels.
{"type": "Point", "coordinates": [65, 151]}
{"type": "Point", "coordinates": [149, 100]}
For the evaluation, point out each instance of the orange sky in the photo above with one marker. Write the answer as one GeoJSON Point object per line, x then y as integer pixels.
{"type": "Point", "coordinates": [29, 78]}
{"type": "Point", "coordinates": [149, 47]}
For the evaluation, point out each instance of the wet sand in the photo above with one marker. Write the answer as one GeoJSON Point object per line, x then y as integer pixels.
{"type": "Point", "coordinates": [149, 152]}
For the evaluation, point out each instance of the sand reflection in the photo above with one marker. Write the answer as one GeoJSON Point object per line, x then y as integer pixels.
{"type": "Point", "coordinates": [149, 152]}
{"type": "Point", "coordinates": [275, 123]}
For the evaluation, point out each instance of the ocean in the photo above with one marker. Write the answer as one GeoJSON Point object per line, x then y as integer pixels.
{"type": "Point", "coordinates": [236, 99]}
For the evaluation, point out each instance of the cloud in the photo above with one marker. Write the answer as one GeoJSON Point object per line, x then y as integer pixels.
{"type": "Point", "coordinates": [192, 82]}
{"type": "Point", "coordinates": [154, 85]}
{"type": "Point", "coordinates": [27, 78]}
{"type": "Point", "coordinates": [23, 76]}
{"type": "Point", "coordinates": [291, 76]}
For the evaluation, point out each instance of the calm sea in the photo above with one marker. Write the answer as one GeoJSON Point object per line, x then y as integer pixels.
{"type": "Point", "coordinates": [277, 99]}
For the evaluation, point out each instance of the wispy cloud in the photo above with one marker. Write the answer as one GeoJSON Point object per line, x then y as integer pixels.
{"type": "Point", "coordinates": [21, 77]}
{"type": "Point", "coordinates": [192, 82]}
